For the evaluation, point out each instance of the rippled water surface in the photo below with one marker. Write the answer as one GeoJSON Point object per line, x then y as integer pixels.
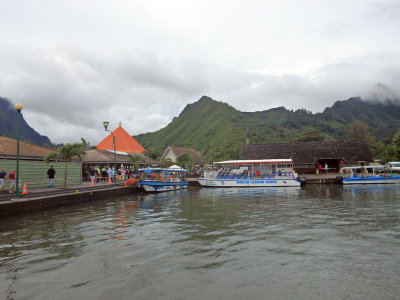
{"type": "Point", "coordinates": [317, 242]}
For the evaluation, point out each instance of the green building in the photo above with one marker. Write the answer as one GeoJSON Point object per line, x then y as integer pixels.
{"type": "Point", "coordinates": [32, 167]}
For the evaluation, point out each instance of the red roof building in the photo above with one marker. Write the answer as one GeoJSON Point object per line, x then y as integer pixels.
{"type": "Point", "coordinates": [123, 143]}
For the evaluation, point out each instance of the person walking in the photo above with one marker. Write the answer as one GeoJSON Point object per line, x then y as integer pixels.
{"type": "Point", "coordinates": [92, 174]}
{"type": "Point", "coordinates": [319, 169]}
{"type": "Point", "coordinates": [50, 173]}
{"type": "Point", "coordinates": [3, 178]}
{"type": "Point", "coordinates": [11, 178]}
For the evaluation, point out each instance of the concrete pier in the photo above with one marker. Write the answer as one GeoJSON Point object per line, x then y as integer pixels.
{"type": "Point", "coordinates": [40, 199]}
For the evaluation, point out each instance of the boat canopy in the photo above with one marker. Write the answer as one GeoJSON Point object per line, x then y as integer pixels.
{"type": "Point", "coordinates": [160, 169]}
{"type": "Point", "coordinates": [256, 161]}
{"type": "Point", "coordinates": [362, 167]}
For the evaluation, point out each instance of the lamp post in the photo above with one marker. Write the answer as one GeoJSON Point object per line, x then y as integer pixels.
{"type": "Point", "coordinates": [18, 108]}
{"type": "Point", "coordinates": [105, 123]}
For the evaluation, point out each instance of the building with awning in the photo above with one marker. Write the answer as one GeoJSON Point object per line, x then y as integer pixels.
{"type": "Point", "coordinates": [173, 153]}
{"type": "Point", "coordinates": [306, 155]}
{"type": "Point", "coordinates": [32, 167]}
{"type": "Point", "coordinates": [125, 145]}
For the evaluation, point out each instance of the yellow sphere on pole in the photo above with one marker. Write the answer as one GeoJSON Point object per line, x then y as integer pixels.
{"type": "Point", "coordinates": [18, 107]}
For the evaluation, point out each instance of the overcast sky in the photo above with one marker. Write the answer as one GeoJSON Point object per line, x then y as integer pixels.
{"type": "Point", "coordinates": [76, 63]}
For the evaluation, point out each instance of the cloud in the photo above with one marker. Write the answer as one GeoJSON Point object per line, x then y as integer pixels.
{"type": "Point", "coordinates": [68, 92]}
{"type": "Point", "coordinates": [74, 64]}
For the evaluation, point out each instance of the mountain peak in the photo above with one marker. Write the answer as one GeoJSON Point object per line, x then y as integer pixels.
{"type": "Point", "coordinates": [8, 126]}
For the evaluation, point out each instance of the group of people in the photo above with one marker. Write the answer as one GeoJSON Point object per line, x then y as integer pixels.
{"type": "Point", "coordinates": [96, 173]}
{"type": "Point", "coordinates": [319, 168]}
{"type": "Point", "coordinates": [10, 177]}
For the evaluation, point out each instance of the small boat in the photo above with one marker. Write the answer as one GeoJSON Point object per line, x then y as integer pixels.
{"type": "Point", "coordinates": [366, 175]}
{"type": "Point", "coordinates": [251, 173]}
{"type": "Point", "coordinates": [162, 180]}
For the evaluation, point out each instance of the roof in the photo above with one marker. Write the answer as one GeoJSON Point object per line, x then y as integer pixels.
{"type": "Point", "coordinates": [259, 161]}
{"type": "Point", "coordinates": [104, 156]}
{"type": "Point", "coordinates": [307, 152]}
{"type": "Point", "coordinates": [123, 142]}
{"type": "Point", "coordinates": [163, 169]}
{"type": "Point", "coordinates": [8, 148]}
{"type": "Point", "coordinates": [178, 151]}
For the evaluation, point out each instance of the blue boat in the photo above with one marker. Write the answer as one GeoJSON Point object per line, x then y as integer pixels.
{"type": "Point", "coordinates": [162, 180]}
{"type": "Point", "coordinates": [367, 175]}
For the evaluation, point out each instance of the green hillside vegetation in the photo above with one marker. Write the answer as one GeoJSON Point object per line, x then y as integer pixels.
{"type": "Point", "coordinates": [218, 131]}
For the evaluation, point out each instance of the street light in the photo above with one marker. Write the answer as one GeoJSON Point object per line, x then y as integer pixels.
{"type": "Point", "coordinates": [18, 108]}
{"type": "Point", "coordinates": [105, 123]}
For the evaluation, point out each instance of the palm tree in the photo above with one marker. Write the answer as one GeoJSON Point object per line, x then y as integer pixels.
{"type": "Point", "coordinates": [67, 153]}
{"type": "Point", "coordinates": [135, 160]}
{"type": "Point", "coordinates": [185, 159]}
{"type": "Point", "coordinates": [167, 162]}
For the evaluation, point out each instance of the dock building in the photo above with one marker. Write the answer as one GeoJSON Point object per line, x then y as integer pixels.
{"type": "Point", "coordinates": [306, 155]}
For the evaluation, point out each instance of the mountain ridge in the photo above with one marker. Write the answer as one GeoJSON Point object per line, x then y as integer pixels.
{"type": "Point", "coordinates": [207, 124]}
{"type": "Point", "coordinates": [8, 126]}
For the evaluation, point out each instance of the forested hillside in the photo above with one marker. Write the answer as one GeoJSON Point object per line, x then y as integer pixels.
{"type": "Point", "coordinates": [218, 130]}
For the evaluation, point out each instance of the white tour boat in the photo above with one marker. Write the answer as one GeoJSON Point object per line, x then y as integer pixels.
{"type": "Point", "coordinates": [162, 180]}
{"type": "Point", "coordinates": [251, 173]}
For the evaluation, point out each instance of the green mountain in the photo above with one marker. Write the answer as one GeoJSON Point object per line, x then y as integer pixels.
{"type": "Point", "coordinates": [8, 126]}
{"type": "Point", "coordinates": [218, 130]}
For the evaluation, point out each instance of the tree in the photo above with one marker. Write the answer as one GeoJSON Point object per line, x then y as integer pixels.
{"type": "Point", "coordinates": [185, 160]}
{"type": "Point", "coordinates": [167, 162]}
{"type": "Point", "coordinates": [396, 139]}
{"type": "Point", "coordinates": [135, 160]}
{"type": "Point", "coordinates": [67, 153]}
{"type": "Point", "coordinates": [212, 153]}
{"type": "Point", "coordinates": [358, 130]}
{"type": "Point", "coordinates": [311, 134]}
{"type": "Point", "coordinates": [86, 145]}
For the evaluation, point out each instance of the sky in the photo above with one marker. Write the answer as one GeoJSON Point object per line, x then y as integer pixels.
{"type": "Point", "coordinates": [74, 64]}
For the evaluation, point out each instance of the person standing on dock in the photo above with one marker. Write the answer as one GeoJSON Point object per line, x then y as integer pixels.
{"type": "Point", "coordinates": [11, 178]}
{"type": "Point", "coordinates": [319, 169]}
{"type": "Point", "coordinates": [3, 177]}
{"type": "Point", "coordinates": [326, 168]}
{"type": "Point", "coordinates": [92, 174]}
{"type": "Point", "coordinates": [50, 173]}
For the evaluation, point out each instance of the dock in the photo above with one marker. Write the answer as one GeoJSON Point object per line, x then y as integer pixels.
{"type": "Point", "coordinates": [44, 198]}
{"type": "Point", "coordinates": [324, 178]}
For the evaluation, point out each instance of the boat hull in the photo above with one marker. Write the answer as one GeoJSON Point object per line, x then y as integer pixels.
{"type": "Point", "coordinates": [372, 180]}
{"type": "Point", "coordinates": [248, 182]}
{"type": "Point", "coordinates": [157, 187]}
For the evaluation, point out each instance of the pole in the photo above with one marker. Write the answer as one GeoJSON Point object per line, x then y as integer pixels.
{"type": "Point", "coordinates": [115, 161]}
{"type": "Point", "coordinates": [105, 124]}
{"type": "Point", "coordinates": [17, 175]}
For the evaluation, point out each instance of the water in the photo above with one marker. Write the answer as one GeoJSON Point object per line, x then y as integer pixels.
{"type": "Point", "coordinates": [317, 242]}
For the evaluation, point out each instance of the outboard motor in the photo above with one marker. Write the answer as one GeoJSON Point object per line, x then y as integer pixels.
{"type": "Point", "coordinates": [339, 179]}
{"type": "Point", "coordinates": [302, 180]}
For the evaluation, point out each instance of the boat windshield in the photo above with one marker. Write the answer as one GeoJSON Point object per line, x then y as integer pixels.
{"type": "Point", "coordinates": [242, 169]}
{"type": "Point", "coordinates": [161, 175]}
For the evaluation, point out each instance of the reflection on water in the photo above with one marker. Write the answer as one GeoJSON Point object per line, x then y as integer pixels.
{"type": "Point", "coordinates": [315, 242]}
